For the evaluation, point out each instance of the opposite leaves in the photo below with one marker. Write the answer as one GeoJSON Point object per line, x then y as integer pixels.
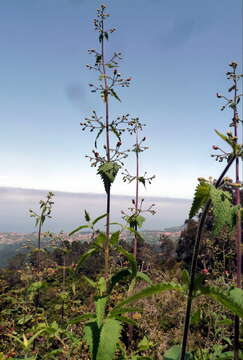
{"type": "Point", "coordinates": [223, 210]}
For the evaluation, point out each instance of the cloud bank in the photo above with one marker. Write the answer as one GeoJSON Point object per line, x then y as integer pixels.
{"type": "Point", "coordinates": [68, 210]}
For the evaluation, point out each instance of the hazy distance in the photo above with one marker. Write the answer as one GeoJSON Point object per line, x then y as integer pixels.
{"type": "Point", "coordinates": [68, 210]}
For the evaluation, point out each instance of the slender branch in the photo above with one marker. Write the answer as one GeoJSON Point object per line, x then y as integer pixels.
{"type": "Point", "coordinates": [238, 222]}
{"type": "Point", "coordinates": [135, 242]}
{"type": "Point", "coordinates": [194, 262]}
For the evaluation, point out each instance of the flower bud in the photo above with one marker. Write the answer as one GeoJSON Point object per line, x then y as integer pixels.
{"type": "Point", "coordinates": [205, 271]}
{"type": "Point", "coordinates": [233, 64]}
{"type": "Point", "coordinates": [215, 147]}
{"type": "Point", "coordinates": [201, 179]}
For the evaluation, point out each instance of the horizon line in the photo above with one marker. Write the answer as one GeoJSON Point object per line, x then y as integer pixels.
{"type": "Point", "coordinates": [91, 193]}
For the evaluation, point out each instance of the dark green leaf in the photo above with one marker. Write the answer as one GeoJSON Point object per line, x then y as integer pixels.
{"type": "Point", "coordinates": [113, 93]}
{"type": "Point", "coordinates": [78, 228]}
{"type": "Point", "coordinates": [84, 257]}
{"type": "Point", "coordinates": [98, 218]}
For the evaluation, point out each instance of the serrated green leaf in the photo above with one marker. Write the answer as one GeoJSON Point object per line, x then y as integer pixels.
{"type": "Point", "coordinates": [108, 172]}
{"type": "Point", "coordinates": [100, 305]}
{"type": "Point", "coordinates": [109, 337]}
{"type": "Point", "coordinates": [145, 344]}
{"type": "Point", "coordinates": [232, 299]}
{"type": "Point", "coordinates": [91, 337]}
{"type": "Point", "coordinates": [201, 196]}
{"type": "Point", "coordinates": [115, 238]}
{"type": "Point", "coordinates": [145, 277]}
{"type": "Point", "coordinates": [149, 291]}
{"type": "Point", "coordinates": [101, 285]}
{"type": "Point", "coordinates": [223, 210]}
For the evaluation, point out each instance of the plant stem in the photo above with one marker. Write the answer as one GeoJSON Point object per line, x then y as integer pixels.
{"type": "Point", "coordinates": [238, 225]}
{"type": "Point", "coordinates": [64, 282]}
{"type": "Point", "coordinates": [38, 263]}
{"type": "Point", "coordinates": [135, 241]}
{"type": "Point", "coordinates": [194, 262]}
{"type": "Point", "coordinates": [39, 246]}
{"type": "Point", "coordinates": [108, 193]}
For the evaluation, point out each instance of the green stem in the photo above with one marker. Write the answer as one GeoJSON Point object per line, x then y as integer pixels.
{"type": "Point", "coordinates": [135, 241]}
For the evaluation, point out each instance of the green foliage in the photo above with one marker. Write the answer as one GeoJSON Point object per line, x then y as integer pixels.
{"type": "Point", "coordinates": [201, 196]}
{"type": "Point", "coordinates": [149, 291]}
{"type": "Point", "coordinates": [135, 221]}
{"type": "Point", "coordinates": [108, 172]}
{"type": "Point", "coordinates": [109, 337]}
{"type": "Point", "coordinates": [231, 299]}
{"type": "Point", "coordinates": [223, 210]}
{"type": "Point", "coordinates": [230, 140]}
{"type": "Point", "coordinates": [100, 305]}
{"type": "Point", "coordinates": [45, 207]}
{"type": "Point", "coordinates": [174, 353]}
{"type": "Point", "coordinates": [91, 337]}
{"type": "Point", "coordinates": [90, 225]}
{"type": "Point", "coordinates": [216, 353]}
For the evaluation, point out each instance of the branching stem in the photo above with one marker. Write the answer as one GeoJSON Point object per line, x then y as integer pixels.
{"type": "Point", "coordinates": [194, 262]}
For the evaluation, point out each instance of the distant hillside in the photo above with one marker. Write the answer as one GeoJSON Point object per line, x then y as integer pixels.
{"type": "Point", "coordinates": [174, 228]}
{"type": "Point", "coordinates": [13, 243]}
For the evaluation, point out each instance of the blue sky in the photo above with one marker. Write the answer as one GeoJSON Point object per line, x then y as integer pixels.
{"type": "Point", "coordinates": [177, 54]}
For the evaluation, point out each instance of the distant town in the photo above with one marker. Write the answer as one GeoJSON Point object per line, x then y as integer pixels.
{"type": "Point", "coordinates": [9, 238]}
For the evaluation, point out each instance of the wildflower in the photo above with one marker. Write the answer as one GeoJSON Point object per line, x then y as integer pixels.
{"type": "Point", "coordinates": [205, 271]}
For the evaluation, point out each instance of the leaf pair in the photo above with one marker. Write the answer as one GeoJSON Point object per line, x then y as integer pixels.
{"type": "Point", "coordinates": [224, 212]}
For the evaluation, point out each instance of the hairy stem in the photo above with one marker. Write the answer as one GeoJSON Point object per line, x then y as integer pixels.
{"type": "Point", "coordinates": [108, 193]}
{"type": "Point", "coordinates": [39, 246]}
{"type": "Point", "coordinates": [194, 262]}
{"type": "Point", "coordinates": [238, 226]}
{"type": "Point", "coordinates": [135, 241]}
{"type": "Point", "coordinates": [64, 285]}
